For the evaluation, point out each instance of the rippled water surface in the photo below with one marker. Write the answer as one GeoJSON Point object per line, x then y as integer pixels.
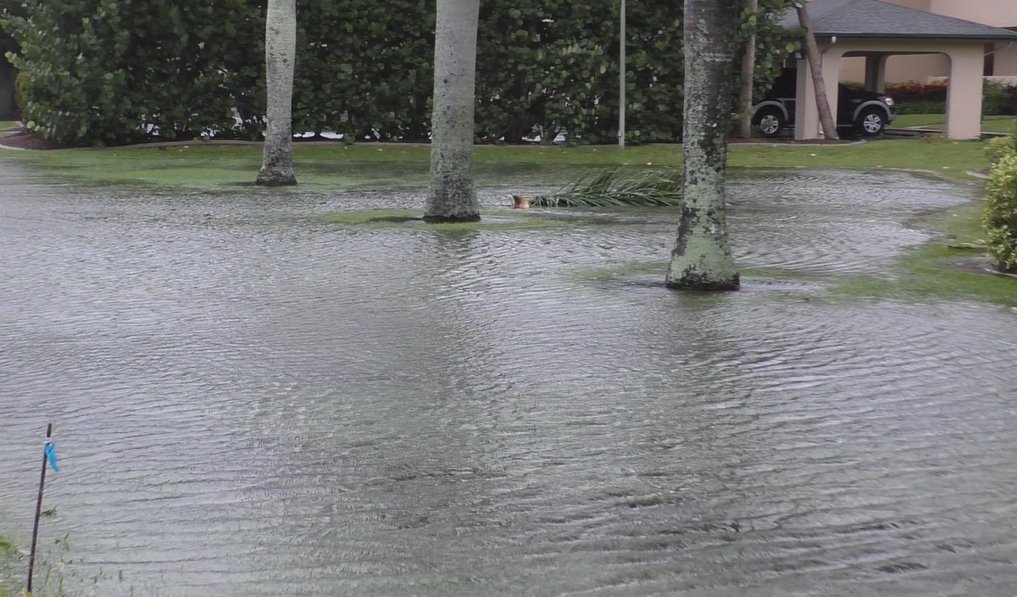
{"type": "Point", "coordinates": [249, 401]}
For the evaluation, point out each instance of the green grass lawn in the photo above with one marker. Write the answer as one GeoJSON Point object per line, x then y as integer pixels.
{"type": "Point", "coordinates": [8, 127]}
{"type": "Point", "coordinates": [327, 167]}
{"type": "Point", "coordinates": [990, 124]}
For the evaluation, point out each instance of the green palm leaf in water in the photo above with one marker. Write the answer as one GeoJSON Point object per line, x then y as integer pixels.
{"type": "Point", "coordinates": [608, 188]}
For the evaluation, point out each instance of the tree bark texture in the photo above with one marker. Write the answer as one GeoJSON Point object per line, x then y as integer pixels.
{"type": "Point", "coordinates": [701, 259]}
{"type": "Point", "coordinates": [748, 74]}
{"type": "Point", "coordinates": [280, 56]}
{"type": "Point", "coordinates": [451, 196]}
{"type": "Point", "coordinates": [816, 68]}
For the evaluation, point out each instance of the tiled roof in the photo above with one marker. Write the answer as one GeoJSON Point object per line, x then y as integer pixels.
{"type": "Point", "coordinates": [874, 18]}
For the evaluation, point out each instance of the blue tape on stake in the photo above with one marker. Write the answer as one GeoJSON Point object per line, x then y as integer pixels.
{"type": "Point", "coordinates": [50, 450]}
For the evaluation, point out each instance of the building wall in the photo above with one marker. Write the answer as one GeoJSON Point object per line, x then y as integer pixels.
{"type": "Point", "coordinates": [997, 13]}
{"type": "Point", "coordinates": [899, 68]}
{"type": "Point", "coordinates": [1006, 61]}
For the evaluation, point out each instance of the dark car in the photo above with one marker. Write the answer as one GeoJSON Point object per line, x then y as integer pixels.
{"type": "Point", "coordinates": [866, 112]}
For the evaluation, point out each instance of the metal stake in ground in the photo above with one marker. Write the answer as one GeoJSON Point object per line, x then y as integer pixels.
{"type": "Point", "coordinates": [47, 447]}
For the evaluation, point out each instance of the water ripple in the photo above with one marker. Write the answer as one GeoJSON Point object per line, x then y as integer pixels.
{"type": "Point", "coordinates": [249, 402]}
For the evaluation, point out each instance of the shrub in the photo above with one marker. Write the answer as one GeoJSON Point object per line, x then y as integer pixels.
{"type": "Point", "coordinates": [999, 148]}
{"type": "Point", "coordinates": [1000, 216]}
{"type": "Point", "coordinates": [913, 97]}
{"type": "Point", "coordinates": [103, 72]}
{"type": "Point", "coordinates": [21, 91]}
{"type": "Point", "coordinates": [921, 107]}
{"type": "Point", "coordinates": [913, 91]}
{"type": "Point", "coordinates": [998, 99]}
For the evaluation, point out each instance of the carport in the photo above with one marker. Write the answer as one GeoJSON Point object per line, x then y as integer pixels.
{"type": "Point", "coordinates": [877, 30]}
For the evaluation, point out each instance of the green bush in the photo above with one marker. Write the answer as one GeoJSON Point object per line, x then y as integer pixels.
{"type": "Point", "coordinates": [913, 92]}
{"type": "Point", "coordinates": [913, 97]}
{"type": "Point", "coordinates": [920, 107]}
{"type": "Point", "coordinates": [998, 99]}
{"type": "Point", "coordinates": [999, 148]}
{"type": "Point", "coordinates": [21, 91]}
{"type": "Point", "coordinates": [104, 72]}
{"type": "Point", "coordinates": [1000, 216]}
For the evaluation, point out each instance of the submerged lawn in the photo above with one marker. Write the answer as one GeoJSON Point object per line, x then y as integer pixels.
{"type": "Point", "coordinates": [932, 270]}
{"type": "Point", "coordinates": [990, 124]}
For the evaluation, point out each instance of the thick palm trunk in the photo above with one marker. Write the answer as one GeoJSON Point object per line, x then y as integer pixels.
{"type": "Point", "coordinates": [748, 73]}
{"type": "Point", "coordinates": [280, 55]}
{"type": "Point", "coordinates": [701, 259]}
{"type": "Point", "coordinates": [816, 68]}
{"type": "Point", "coordinates": [451, 196]}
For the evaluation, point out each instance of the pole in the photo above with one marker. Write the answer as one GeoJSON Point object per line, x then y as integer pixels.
{"type": "Point", "coordinates": [621, 79]}
{"type": "Point", "coordinates": [38, 509]}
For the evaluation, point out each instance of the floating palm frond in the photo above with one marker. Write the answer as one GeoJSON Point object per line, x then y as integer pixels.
{"type": "Point", "coordinates": [611, 189]}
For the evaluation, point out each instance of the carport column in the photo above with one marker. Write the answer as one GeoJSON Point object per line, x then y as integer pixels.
{"type": "Point", "coordinates": [806, 114]}
{"type": "Point", "coordinates": [875, 72]}
{"type": "Point", "coordinates": [831, 78]}
{"type": "Point", "coordinates": [964, 92]}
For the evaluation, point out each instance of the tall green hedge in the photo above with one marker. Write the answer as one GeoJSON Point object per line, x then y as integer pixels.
{"type": "Point", "coordinates": [115, 71]}
{"type": "Point", "coordinates": [109, 72]}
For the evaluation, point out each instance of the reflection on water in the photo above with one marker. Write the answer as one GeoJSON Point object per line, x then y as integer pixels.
{"type": "Point", "coordinates": [249, 402]}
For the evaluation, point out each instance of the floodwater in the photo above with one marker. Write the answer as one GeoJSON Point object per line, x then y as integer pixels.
{"type": "Point", "coordinates": [251, 402]}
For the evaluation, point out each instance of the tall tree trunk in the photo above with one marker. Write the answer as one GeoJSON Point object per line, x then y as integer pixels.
{"type": "Point", "coordinates": [748, 73]}
{"type": "Point", "coordinates": [701, 259]}
{"type": "Point", "coordinates": [280, 55]}
{"type": "Point", "coordinates": [816, 67]}
{"type": "Point", "coordinates": [451, 196]}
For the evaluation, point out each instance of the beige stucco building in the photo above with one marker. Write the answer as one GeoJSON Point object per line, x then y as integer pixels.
{"type": "Point", "coordinates": [1000, 58]}
{"type": "Point", "coordinates": [873, 33]}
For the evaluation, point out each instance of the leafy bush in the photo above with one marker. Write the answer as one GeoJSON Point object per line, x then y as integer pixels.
{"type": "Point", "coordinates": [103, 72]}
{"type": "Point", "coordinates": [921, 107]}
{"type": "Point", "coordinates": [999, 148]}
{"type": "Point", "coordinates": [998, 99]}
{"type": "Point", "coordinates": [108, 72]}
{"type": "Point", "coordinates": [21, 91]}
{"type": "Point", "coordinates": [913, 97]}
{"type": "Point", "coordinates": [1000, 216]}
{"type": "Point", "coordinates": [913, 91]}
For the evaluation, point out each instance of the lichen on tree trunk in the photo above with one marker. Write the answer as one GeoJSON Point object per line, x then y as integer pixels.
{"type": "Point", "coordinates": [451, 196]}
{"type": "Point", "coordinates": [280, 54]}
{"type": "Point", "coordinates": [701, 259]}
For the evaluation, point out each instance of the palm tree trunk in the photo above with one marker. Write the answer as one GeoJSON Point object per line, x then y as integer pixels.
{"type": "Point", "coordinates": [748, 73]}
{"type": "Point", "coordinates": [280, 56]}
{"type": "Point", "coordinates": [451, 196]}
{"type": "Point", "coordinates": [816, 67]}
{"type": "Point", "coordinates": [701, 259]}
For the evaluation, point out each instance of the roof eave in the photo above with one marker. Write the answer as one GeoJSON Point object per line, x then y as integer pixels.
{"type": "Point", "coordinates": [826, 35]}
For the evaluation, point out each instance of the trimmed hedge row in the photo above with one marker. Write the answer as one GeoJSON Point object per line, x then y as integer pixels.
{"type": "Point", "coordinates": [913, 97]}
{"type": "Point", "coordinates": [103, 72]}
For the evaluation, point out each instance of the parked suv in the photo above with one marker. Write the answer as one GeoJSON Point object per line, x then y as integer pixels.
{"type": "Point", "coordinates": [866, 112]}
